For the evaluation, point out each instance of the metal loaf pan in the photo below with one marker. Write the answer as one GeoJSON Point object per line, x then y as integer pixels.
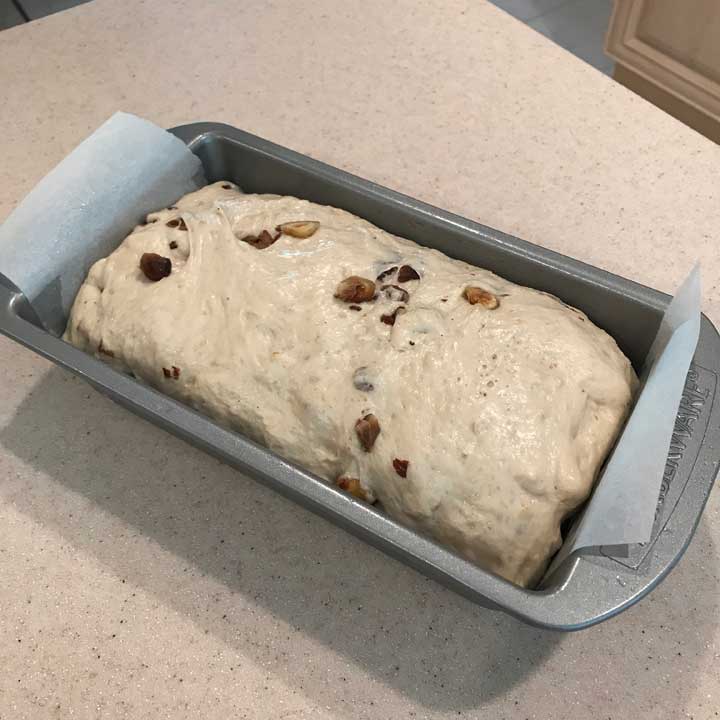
{"type": "Point", "coordinates": [584, 590]}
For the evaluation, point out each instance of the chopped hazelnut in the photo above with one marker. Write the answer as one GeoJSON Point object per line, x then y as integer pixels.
{"type": "Point", "coordinates": [261, 241]}
{"type": "Point", "coordinates": [355, 289]}
{"type": "Point", "coordinates": [407, 273]}
{"type": "Point", "coordinates": [477, 295]}
{"type": "Point", "coordinates": [299, 229]}
{"type": "Point", "coordinates": [401, 467]}
{"type": "Point", "coordinates": [155, 267]}
{"type": "Point", "coordinates": [367, 429]}
{"type": "Point", "coordinates": [352, 486]}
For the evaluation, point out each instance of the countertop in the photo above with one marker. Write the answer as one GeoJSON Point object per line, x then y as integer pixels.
{"type": "Point", "coordinates": [139, 578]}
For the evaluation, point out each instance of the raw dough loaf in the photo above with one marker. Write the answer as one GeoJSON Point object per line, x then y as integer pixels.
{"type": "Point", "coordinates": [504, 416]}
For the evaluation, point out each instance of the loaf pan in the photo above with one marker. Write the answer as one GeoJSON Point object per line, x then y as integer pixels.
{"type": "Point", "coordinates": [584, 590]}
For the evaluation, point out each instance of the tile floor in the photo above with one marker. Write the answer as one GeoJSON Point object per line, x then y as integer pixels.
{"type": "Point", "coordinates": [577, 25]}
{"type": "Point", "coordinates": [9, 15]}
{"type": "Point", "coordinates": [39, 8]}
{"type": "Point", "coordinates": [14, 12]}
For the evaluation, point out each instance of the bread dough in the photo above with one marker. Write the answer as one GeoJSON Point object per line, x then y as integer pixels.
{"type": "Point", "coordinates": [503, 417]}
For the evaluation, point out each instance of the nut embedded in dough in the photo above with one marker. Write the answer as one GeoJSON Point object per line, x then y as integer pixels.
{"type": "Point", "coordinates": [299, 229]}
{"type": "Point", "coordinates": [477, 295]}
{"type": "Point", "coordinates": [261, 241]}
{"type": "Point", "coordinates": [407, 273]}
{"type": "Point", "coordinates": [352, 486]}
{"type": "Point", "coordinates": [155, 267]}
{"type": "Point", "coordinates": [401, 467]}
{"type": "Point", "coordinates": [178, 223]}
{"type": "Point", "coordinates": [367, 429]}
{"type": "Point", "coordinates": [355, 289]}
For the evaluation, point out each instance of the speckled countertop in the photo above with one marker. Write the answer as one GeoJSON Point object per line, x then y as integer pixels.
{"type": "Point", "coordinates": [139, 578]}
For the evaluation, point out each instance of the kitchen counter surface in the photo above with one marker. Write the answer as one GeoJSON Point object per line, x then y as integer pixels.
{"type": "Point", "coordinates": [139, 578]}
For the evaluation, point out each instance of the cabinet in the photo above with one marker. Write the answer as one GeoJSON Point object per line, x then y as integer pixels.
{"type": "Point", "coordinates": [668, 51]}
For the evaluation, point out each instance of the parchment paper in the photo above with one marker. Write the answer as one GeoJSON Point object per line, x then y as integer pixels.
{"type": "Point", "coordinates": [86, 206]}
{"type": "Point", "coordinates": [621, 510]}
